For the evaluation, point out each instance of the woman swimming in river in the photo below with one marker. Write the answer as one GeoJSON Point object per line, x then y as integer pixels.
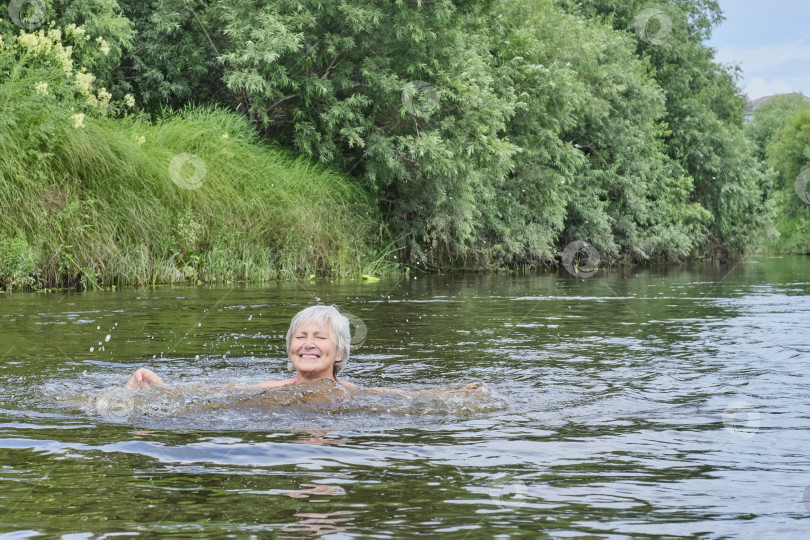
{"type": "Point", "coordinates": [318, 343]}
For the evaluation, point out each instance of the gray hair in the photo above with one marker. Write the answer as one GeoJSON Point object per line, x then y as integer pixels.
{"type": "Point", "coordinates": [324, 315]}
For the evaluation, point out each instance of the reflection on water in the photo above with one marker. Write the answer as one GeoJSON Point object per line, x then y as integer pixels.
{"type": "Point", "coordinates": [320, 524]}
{"type": "Point", "coordinates": [667, 402]}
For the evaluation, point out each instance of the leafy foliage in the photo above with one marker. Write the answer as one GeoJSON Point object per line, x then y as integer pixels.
{"type": "Point", "coordinates": [704, 113]}
{"type": "Point", "coordinates": [589, 126]}
{"type": "Point", "coordinates": [18, 264]}
{"type": "Point", "coordinates": [173, 59]}
{"type": "Point", "coordinates": [333, 80]}
{"type": "Point", "coordinates": [789, 155]}
{"type": "Point", "coordinates": [771, 116]}
{"type": "Point", "coordinates": [489, 133]}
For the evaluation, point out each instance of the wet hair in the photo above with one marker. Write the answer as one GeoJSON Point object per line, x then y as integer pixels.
{"type": "Point", "coordinates": [324, 316]}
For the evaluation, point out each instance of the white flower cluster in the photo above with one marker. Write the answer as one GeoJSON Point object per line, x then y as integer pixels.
{"type": "Point", "coordinates": [103, 45]}
{"type": "Point", "coordinates": [78, 120]}
{"type": "Point", "coordinates": [76, 31]}
{"type": "Point", "coordinates": [104, 98]}
{"type": "Point", "coordinates": [84, 82]}
{"type": "Point", "coordinates": [48, 44]}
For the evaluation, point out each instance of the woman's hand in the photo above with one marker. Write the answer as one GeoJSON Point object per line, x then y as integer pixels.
{"type": "Point", "coordinates": [143, 378]}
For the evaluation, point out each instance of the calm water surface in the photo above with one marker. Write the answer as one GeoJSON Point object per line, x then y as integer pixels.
{"type": "Point", "coordinates": [633, 403]}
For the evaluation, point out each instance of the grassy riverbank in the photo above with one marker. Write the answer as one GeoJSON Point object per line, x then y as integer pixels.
{"type": "Point", "coordinates": [105, 204]}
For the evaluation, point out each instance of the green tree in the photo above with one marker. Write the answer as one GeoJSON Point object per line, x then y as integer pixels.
{"type": "Point", "coordinates": [97, 32]}
{"type": "Point", "coordinates": [768, 119]}
{"type": "Point", "coordinates": [490, 132]}
{"type": "Point", "coordinates": [789, 155]}
{"type": "Point", "coordinates": [593, 166]}
{"type": "Point", "coordinates": [173, 60]}
{"type": "Point", "coordinates": [397, 92]}
{"type": "Point", "coordinates": [704, 113]}
{"type": "Point", "coordinates": [771, 116]}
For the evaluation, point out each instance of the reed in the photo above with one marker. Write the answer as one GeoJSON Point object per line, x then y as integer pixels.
{"type": "Point", "coordinates": [98, 206]}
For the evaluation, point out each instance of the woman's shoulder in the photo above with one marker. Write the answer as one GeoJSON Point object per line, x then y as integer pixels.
{"type": "Point", "coordinates": [285, 382]}
{"type": "Point", "coordinates": [272, 384]}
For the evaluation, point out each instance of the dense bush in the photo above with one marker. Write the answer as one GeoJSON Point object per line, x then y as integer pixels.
{"type": "Point", "coordinates": [19, 264]}
{"type": "Point", "coordinates": [770, 117]}
{"type": "Point", "coordinates": [592, 165]}
{"type": "Point", "coordinates": [704, 114]}
{"type": "Point", "coordinates": [488, 132]}
{"type": "Point", "coordinates": [86, 199]}
{"type": "Point", "coordinates": [789, 155]}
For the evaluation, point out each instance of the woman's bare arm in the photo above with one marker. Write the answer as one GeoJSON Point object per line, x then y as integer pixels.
{"type": "Point", "coordinates": [144, 378]}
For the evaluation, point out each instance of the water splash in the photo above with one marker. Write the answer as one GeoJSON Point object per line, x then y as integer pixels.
{"type": "Point", "coordinates": [241, 405]}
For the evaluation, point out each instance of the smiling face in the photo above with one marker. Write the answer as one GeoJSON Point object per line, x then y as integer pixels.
{"type": "Point", "coordinates": [313, 351]}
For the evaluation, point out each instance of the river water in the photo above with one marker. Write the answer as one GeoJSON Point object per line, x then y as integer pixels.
{"type": "Point", "coordinates": [641, 402]}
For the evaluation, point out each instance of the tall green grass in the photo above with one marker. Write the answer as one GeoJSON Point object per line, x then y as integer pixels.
{"type": "Point", "coordinates": [96, 206]}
